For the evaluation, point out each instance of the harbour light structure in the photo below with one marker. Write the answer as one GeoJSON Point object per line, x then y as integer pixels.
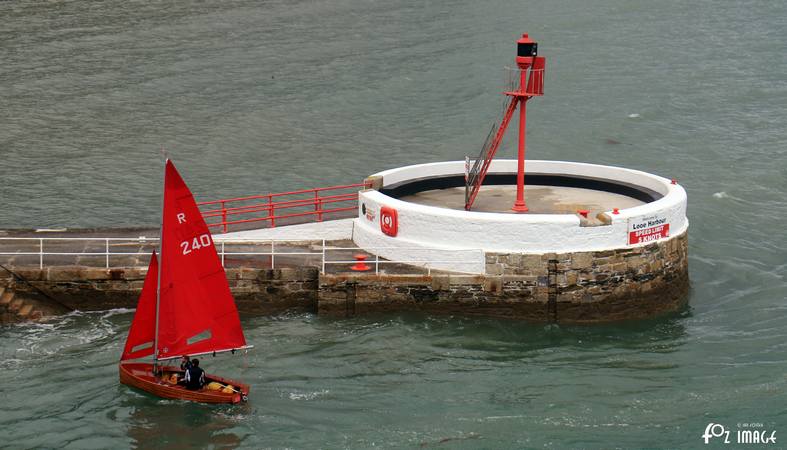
{"type": "Point", "coordinates": [594, 242]}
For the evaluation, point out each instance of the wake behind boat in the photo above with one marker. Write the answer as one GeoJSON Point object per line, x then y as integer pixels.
{"type": "Point", "coordinates": [185, 307]}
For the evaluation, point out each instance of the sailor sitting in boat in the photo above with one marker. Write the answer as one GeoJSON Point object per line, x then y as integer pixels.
{"type": "Point", "coordinates": [185, 362]}
{"type": "Point", "coordinates": [195, 377]}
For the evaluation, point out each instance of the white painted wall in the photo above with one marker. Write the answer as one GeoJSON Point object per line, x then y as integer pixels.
{"type": "Point", "coordinates": [442, 228]}
{"type": "Point", "coordinates": [328, 230]}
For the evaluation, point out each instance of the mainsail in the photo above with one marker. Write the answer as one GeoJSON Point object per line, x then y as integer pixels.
{"type": "Point", "coordinates": [141, 335]}
{"type": "Point", "coordinates": [197, 313]}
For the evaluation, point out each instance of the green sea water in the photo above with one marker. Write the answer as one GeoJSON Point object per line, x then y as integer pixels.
{"type": "Point", "coordinates": [252, 97]}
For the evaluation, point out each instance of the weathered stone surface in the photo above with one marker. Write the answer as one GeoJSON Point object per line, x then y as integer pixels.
{"type": "Point", "coordinates": [610, 275]}
{"type": "Point", "coordinates": [244, 273]}
{"type": "Point", "coordinates": [255, 291]}
{"type": "Point", "coordinates": [441, 282]}
{"type": "Point", "coordinates": [466, 279]}
{"type": "Point", "coordinates": [495, 269]}
{"type": "Point", "coordinates": [32, 274]}
{"type": "Point", "coordinates": [374, 182]}
{"type": "Point", "coordinates": [581, 260]}
{"type": "Point", "coordinates": [493, 284]}
{"type": "Point", "coordinates": [269, 274]}
{"type": "Point", "coordinates": [528, 279]}
{"type": "Point", "coordinates": [87, 273]}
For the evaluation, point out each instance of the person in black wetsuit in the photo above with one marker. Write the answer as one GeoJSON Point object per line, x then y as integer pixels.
{"type": "Point", "coordinates": [195, 377]}
{"type": "Point", "coordinates": [185, 363]}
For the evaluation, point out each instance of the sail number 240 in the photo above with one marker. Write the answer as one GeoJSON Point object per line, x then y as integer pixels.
{"type": "Point", "coordinates": [195, 244]}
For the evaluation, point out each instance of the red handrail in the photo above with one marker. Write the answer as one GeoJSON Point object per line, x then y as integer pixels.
{"type": "Point", "coordinates": [226, 214]}
{"type": "Point", "coordinates": [284, 204]}
{"type": "Point", "coordinates": [279, 194]}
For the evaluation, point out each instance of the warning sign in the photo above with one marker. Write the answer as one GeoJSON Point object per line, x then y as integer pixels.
{"type": "Point", "coordinates": [647, 229]}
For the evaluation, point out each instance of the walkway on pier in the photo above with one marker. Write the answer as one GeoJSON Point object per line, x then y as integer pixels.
{"type": "Point", "coordinates": [325, 245]}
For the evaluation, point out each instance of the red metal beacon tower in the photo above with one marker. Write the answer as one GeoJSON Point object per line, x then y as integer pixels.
{"type": "Point", "coordinates": [528, 82]}
{"type": "Point", "coordinates": [531, 84]}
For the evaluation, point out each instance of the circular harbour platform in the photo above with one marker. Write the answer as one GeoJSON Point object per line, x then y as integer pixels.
{"type": "Point", "coordinates": [605, 242]}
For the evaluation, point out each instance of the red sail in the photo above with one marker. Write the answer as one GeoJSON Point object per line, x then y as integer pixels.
{"type": "Point", "coordinates": [140, 337]}
{"type": "Point", "coordinates": [197, 313]}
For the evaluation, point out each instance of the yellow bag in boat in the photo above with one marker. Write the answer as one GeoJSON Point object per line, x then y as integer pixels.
{"type": "Point", "coordinates": [174, 378]}
{"type": "Point", "coordinates": [228, 389]}
{"type": "Point", "coordinates": [213, 386]}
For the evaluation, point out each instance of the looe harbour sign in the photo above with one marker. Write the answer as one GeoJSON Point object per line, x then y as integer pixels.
{"type": "Point", "coordinates": [647, 229]}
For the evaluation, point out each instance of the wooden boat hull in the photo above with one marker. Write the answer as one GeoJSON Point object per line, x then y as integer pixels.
{"type": "Point", "coordinates": [140, 376]}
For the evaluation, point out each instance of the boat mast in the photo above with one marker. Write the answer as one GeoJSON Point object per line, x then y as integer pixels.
{"type": "Point", "coordinates": [158, 276]}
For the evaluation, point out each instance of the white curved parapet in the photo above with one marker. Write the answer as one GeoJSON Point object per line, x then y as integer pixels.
{"type": "Point", "coordinates": [435, 227]}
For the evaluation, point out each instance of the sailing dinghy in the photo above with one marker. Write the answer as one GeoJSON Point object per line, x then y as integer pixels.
{"type": "Point", "coordinates": [185, 307]}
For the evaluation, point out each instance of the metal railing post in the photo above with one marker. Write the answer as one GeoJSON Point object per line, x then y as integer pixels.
{"type": "Point", "coordinates": [224, 218]}
{"type": "Point", "coordinates": [318, 205]}
{"type": "Point", "coordinates": [273, 255]}
{"type": "Point", "coordinates": [107, 249]}
{"type": "Point", "coordinates": [271, 210]}
{"type": "Point", "coordinates": [323, 257]}
{"type": "Point", "coordinates": [40, 254]}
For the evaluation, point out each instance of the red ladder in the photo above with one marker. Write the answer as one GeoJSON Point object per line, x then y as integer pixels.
{"type": "Point", "coordinates": [477, 175]}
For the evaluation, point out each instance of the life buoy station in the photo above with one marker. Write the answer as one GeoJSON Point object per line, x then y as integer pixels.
{"type": "Point", "coordinates": [543, 241]}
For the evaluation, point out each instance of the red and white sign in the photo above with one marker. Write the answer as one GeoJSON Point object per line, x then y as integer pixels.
{"type": "Point", "coordinates": [389, 223]}
{"type": "Point", "coordinates": [368, 212]}
{"type": "Point", "coordinates": [648, 229]}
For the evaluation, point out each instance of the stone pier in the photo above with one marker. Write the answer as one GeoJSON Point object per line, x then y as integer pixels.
{"type": "Point", "coordinates": [579, 287]}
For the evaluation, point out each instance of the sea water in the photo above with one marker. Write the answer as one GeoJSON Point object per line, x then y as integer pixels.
{"type": "Point", "coordinates": [256, 97]}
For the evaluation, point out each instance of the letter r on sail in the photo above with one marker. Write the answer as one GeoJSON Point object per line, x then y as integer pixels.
{"type": "Point", "coordinates": [181, 218]}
